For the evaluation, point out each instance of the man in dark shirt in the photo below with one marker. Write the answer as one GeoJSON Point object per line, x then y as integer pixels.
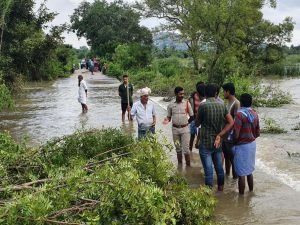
{"type": "Point", "coordinates": [125, 92]}
{"type": "Point", "coordinates": [211, 116]}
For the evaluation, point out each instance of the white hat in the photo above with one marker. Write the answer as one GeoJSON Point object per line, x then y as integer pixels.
{"type": "Point", "coordinates": [144, 91]}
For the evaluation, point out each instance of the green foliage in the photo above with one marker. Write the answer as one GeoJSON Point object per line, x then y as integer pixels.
{"type": "Point", "coordinates": [6, 100]}
{"type": "Point", "coordinates": [107, 25]}
{"type": "Point", "coordinates": [168, 66]}
{"type": "Point", "coordinates": [27, 51]}
{"type": "Point", "coordinates": [102, 181]}
{"type": "Point", "coordinates": [83, 52]}
{"type": "Point", "coordinates": [130, 56]}
{"type": "Point", "coordinates": [272, 96]}
{"type": "Point", "coordinates": [114, 70]}
{"type": "Point", "coordinates": [263, 95]}
{"type": "Point", "coordinates": [143, 78]}
{"type": "Point", "coordinates": [271, 127]}
{"type": "Point", "coordinates": [224, 31]}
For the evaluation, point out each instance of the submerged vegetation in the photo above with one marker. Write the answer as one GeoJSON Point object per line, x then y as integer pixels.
{"type": "Point", "coordinates": [272, 127]}
{"type": "Point", "coordinates": [87, 178]}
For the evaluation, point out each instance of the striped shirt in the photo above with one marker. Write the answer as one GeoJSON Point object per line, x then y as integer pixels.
{"type": "Point", "coordinates": [246, 131]}
{"type": "Point", "coordinates": [195, 102]}
{"type": "Point", "coordinates": [211, 117]}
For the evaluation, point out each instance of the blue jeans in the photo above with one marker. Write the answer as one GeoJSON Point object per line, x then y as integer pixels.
{"type": "Point", "coordinates": [208, 158]}
{"type": "Point", "coordinates": [143, 131]}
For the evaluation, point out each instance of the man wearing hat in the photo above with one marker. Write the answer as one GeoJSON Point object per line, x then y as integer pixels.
{"type": "Point", "coordinates": [144, 112]}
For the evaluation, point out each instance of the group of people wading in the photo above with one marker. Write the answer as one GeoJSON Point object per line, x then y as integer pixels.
{"type": "Point", "coordinates": [223, 132]}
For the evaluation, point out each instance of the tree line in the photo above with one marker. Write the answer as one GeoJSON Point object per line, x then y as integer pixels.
{"type": "Point", "coordinates": [27, 52]}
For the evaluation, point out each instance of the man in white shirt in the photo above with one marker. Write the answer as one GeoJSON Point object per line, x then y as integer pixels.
{"type": "Point", "coordinates": [82, 93]}
{"type": "Point", "coordinates": [144, 112]}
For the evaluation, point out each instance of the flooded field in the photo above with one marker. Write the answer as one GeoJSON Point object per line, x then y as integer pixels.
{"type": "Point", "coordinates": [48, 110]}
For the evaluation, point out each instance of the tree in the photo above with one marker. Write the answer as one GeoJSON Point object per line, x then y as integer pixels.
{"type": "Point", "coordinates": [231, 33]}
{"type": "Point", "coordinates": [107, 25]}
{"type": "Point", "coordinates": [26, 48]}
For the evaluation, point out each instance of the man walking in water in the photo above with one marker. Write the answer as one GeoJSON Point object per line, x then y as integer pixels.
{"type": "Point", "coordinates": [179, 111]}
{"type": "Point", "coordinates": [211, 116]}
{"type": "Point", "coordinates": [82, 92]}
{"type": "Point", "coordinates": [144, 112]}
{"type": "Point", "coordinates": [233, 106]}
{"type": "Point", "coordinates": [125, 92]}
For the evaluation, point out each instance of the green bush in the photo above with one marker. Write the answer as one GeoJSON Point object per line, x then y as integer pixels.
{"type": "Point", "coordinates": [142, 78]}
{"type": "Point", "coordinates": [263, 95]}
{"type": "Point", "coordinates": [106, 178]}
{"type": "Point", "coordinates": [114, 70]}
{"type": "Point", "coordinates": [168, 66]}
{"type": "Point", "coordinates": [271, 127]}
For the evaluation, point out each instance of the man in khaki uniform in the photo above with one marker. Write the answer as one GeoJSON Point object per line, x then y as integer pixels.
{"type": "Point", "coordinates": [178, 112]}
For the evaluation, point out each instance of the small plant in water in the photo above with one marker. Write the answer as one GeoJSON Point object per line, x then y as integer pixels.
{"type": "Point", "coordinates": [271, 127]}
{"type": "Point", "coordinates": [297, 127]}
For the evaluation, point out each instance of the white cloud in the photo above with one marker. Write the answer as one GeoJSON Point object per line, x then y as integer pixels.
{"type": "Point", "coordinates": [65, 8]}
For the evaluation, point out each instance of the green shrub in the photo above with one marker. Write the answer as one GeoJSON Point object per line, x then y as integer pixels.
{"type": "Point", "coordinates": [133, 183]}
{"type": "Point", "coordinates": [271, 127]}
{"type": "Point", "coordinates": [142, 78]}
{"type": "Point", "coordinates": [168, 66]}
{"type": "Point", "coordinates": [263, 95]}
{"type": "Point", "coordinates": [114, 70]}
{"type": "Point", "coordinates": [272, 96]}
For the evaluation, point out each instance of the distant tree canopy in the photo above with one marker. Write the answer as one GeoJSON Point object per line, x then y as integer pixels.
{"type": "Point", "coordinates": [107, 25]}
{"type": "Point", "coordinates": [26, 50]}
{"type": "Point", "coordinates": [230, 34]}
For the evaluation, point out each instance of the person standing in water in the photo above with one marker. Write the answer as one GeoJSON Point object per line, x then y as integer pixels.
{"type": "Point", "coordinates": [144, 112]}
{"type": "Point", "coordinates": [126, 92]}
{"type": "Point", "coordinates": [215, 121]}
{"type": "Point", "coordinates": [82, 92]}
{"type": "Point", "coordinates": [181, 113]}
{"type": "Point", "coordinates": [246, 130]}
{"type": "Point", "coordinates": [233, 106]}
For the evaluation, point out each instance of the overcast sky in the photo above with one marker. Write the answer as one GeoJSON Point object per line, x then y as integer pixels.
{"type": "Point", "coordinates": [65, 8]}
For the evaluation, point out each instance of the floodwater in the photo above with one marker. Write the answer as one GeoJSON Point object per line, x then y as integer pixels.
{"type": "Point", "coordinates": [48, 110]}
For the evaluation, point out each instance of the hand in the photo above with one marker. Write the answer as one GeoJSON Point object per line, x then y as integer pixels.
{"type": "Point", "coordinates": [166, 121]}
{"type": "Point", "coordinates": [128, 108]}
{"type": "Point", "coordinates": [217, 142]}
{"type": "Point", "coordinates": [153, 124]}
{"type": "Point", "coordinates": [191, 119]}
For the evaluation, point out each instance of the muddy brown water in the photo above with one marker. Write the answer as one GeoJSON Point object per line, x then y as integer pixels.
{"type": "Point", "coordinates": [50, 109]}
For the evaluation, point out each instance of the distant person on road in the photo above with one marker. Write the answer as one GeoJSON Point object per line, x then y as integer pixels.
{"type": "Point", "coordinates": [82, 92]}
{"type": "Point", "coordinates": [246, 130]}
{"type": "Point", "coordinates": [233, 105]}
{"type": "Point", "coordinates": [181, 114]}
{"type": "Point", "coordinates": [126, 92]}
{"type": "Point", "coordinates": [144, 112]}
{"type": "Point", "coordinates": [82, 64]}
{"type": "Point", "coordinates": [91, 66]}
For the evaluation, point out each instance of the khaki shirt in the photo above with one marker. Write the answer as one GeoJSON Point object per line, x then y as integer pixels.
{"type": "Point", "coordinates": [179, 112]}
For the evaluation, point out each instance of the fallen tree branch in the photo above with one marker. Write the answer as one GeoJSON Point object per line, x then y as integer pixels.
{"type": "Point", "coordinates": [114, 149]}
{"type": "Point", "coordinates": [90, 165]}
{"type": "Point", "coordinates": [76, 208]}
{"type": "Point", "coordinates": [28, 185]}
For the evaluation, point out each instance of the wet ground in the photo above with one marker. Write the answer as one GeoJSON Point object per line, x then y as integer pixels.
{"type": "Point", "coordinates": [48, 110]}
